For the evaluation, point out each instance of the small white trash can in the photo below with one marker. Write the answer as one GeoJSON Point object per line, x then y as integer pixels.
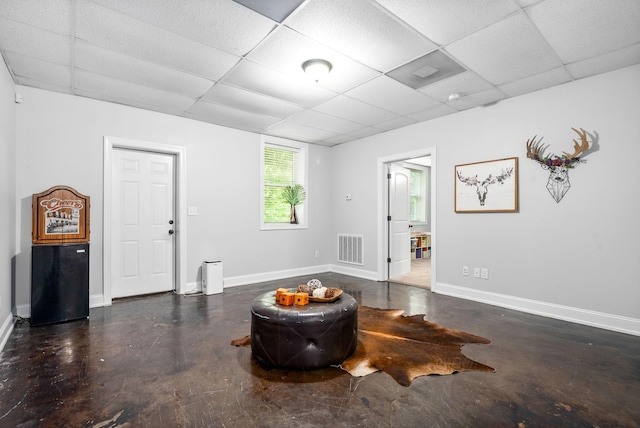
{"type": "Point", "coordinates": [212, 282]}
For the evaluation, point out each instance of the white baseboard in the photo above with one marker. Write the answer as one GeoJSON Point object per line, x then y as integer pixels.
{"type": "Point", "coordinates": [235, 281]}
{"type": "Point", "coordinates": [96, 300]}
{"type": "Point", "coordinates": [566, 313]}
{"type": "Point", "coordinates": [358, 273]}
{"type": "Point", "coordinates": [23, 311]}
{"type": "Point", "coordinates": [5, 330]}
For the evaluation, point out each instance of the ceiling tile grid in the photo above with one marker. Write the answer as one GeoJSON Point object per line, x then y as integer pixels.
{"type": "Point", "coordinates": [394, 62]}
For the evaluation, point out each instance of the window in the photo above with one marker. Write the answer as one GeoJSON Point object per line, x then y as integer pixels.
{"type": "Point", "coordinates": [283, 163]}
{"type": "Point", "coordinates": [417, 195]}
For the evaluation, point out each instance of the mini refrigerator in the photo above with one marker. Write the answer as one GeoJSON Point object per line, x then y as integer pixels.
{"type": "Point", "coordinates": [59, 283]}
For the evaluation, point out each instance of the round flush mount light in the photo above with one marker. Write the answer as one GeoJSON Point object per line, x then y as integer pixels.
{"type": "Point", "coordinates": [316, 68]}
{"type": "Point", "coordinates": [454, 97]}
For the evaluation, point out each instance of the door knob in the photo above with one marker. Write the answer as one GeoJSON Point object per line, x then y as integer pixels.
{"type": "Point", "coordinates": [171, 232]}
{"type": "Point", "coordinates": [170, 221]}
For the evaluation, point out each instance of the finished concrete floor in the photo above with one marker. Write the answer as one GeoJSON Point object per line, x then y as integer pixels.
{"type": "Point", "coordinates": [166, 361]}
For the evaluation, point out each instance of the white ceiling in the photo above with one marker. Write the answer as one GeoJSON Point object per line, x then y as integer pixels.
{"type": "Point", "coordinates": [220, 62]}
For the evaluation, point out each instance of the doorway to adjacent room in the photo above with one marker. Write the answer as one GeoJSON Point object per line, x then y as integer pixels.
{"type": "Point", "coordinates": [409, 214]}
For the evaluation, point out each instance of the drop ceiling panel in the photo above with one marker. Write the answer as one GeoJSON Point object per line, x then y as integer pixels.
{"type": "Point", "coordinates": [607, 62]}
{"type": "Point", "coordinates": [389, 94]}
{"type": "Point", "coordinates": [364, 132]}
{"type": "Point", "coordinates": [110, 89]}
{"type": "Point", "coordinates": [239, 30]}
{"type": "Point", "coordinates": [50, 15]}
{"type": "Point", "coordinates": [258, 78]}
{"type": "Point", "coordinates": [123, 67]}
{"type": "Point", "coordinates": [29, 70]}
{"type": "Point", "coordinates": [117, 32]}
{"type": "Point", "coordinates": [226, 116]}
{"type": "Point", "coordinates": [276, 10]}
{"type": "Point", "coordinates": [324, 121]}
{"type": "Point", "coordinates": [504, 52]}
{"type": "Point", "coordinates": [360, 29]}
{"type": "Point", "coordinates": [285, 50]}
{"type": "Point", "coordinates": [439, 111]}
{"type": "Point", "coordinates": [599, 27]}
{"type": "Point", "coordinates": [299, 132]}
{"type": "Point", "coordinates": [447, 20]}
{"type": "Point", "coordinates": [355, 111]}
{"type": "Point", "coordinates": [463, 84]}
{"type": "Point", "coordinates": [543, 80]}
{"type": "Point", "coordinates": [395, 123]}
{"type": "Point", "coordinates": [35, 42]}
{"type": "Point", "coordinates": [252, 102]}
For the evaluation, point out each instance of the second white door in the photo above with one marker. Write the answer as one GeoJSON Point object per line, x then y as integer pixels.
{"type": "Point", "coordinates": [143, 223]}
{"type": "Point", "coordinates": [399, 235]}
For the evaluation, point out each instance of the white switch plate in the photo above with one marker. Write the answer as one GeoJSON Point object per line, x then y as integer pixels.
{"type": "Point", "coordinates": [484, 273]}
{"type": "Point", "coordinates": [476, 272]}
{"type": "Point", "coordinates": [192, 211]}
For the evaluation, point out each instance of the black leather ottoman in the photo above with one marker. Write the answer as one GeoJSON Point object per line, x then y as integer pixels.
{"type": "Point", "coordinates": [303, 337]}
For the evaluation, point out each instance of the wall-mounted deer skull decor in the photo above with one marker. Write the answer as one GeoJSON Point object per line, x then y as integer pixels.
{"type": "Point", "coordinates": [558, 166]}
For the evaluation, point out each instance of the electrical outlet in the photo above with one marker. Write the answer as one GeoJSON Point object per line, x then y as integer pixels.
{"type": "Point", "coordinates": [476, 272]}
{"type": "Point", "coordinates": [192, 210]}
{"type": "Point", "coordinates": [317, 253]}
{"type": "Point", "coordinates": [465, 270]}
{"type": "Point", "coordinates": [484, 273]}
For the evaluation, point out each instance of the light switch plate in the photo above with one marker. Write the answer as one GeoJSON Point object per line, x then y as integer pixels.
{"type": "Point", "coordinates": [192, 211]}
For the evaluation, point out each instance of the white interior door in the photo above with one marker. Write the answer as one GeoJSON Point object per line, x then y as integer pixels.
{"type": "Point", "coordinates": [399, 235]}
{"type": "Point", "coordinates": [143, 225]}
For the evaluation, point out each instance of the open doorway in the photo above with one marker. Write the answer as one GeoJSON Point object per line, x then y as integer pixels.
{"type": "Point", "coordinates": [416, 242]}
{"type": "Point", "coordinates": [385, 252]}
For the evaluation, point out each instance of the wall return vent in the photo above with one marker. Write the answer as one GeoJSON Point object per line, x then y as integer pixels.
{"type": "Point", "coordinates": [350, 249]}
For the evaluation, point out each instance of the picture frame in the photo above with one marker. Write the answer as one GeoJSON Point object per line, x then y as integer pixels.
{"type": "Point", "coordinates": [487, 186]}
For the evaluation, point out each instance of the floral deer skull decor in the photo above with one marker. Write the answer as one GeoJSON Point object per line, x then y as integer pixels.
{"type": "Point", "coordinates": [558, 166]}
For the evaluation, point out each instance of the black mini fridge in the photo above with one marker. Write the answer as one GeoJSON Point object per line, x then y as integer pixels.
{"type": "Point", "coordinates": [59, 283]}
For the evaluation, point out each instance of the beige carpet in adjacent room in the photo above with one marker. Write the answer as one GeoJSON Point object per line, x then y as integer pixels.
{"type": "Point", "coordinates": [420, 275]}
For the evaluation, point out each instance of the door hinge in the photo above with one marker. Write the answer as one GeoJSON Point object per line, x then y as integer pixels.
{"type": "Point", "coordinates": [388, 218]}
{"type": "Point", "coordinates": [388, 176]}
{"type": "Point", "coordinates": [388, 259]}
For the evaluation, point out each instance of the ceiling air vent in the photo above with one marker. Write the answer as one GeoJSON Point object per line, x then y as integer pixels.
{"type": "Point", "coordinates": [426, 70]}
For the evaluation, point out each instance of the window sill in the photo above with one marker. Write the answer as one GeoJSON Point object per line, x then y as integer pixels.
{"type": "Point", "coordinates": [282, 226]}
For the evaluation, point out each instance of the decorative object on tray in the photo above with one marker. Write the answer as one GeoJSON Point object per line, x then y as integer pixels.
{"type": "Point", "coordinates": [312, 291]}
{"type": "Point", "coordinates": [558, 166]}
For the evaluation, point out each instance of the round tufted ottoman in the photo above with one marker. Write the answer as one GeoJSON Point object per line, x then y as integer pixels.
{"type": "Point", "coordinates": [303, 337]}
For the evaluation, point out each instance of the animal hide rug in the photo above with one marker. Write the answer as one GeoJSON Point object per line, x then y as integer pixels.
{"type": "Point", "coordinates": [405, 347]}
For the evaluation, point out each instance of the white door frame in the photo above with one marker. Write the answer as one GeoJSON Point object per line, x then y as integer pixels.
{"type": "Point", "coordinates": [111, 143]}
{"type": "Point", "coordinates": [383, 224]}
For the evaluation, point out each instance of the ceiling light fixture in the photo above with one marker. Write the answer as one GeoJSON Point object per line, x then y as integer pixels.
{"type": "Point", "coordinates": [316, 68]}
{"type": "Point", "coordinates": [454, 97]}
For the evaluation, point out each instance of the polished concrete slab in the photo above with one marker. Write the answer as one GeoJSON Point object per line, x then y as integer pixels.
{"type": "Point", "coordinates": [166, 361]}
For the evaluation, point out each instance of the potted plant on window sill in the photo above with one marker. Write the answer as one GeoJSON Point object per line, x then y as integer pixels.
{"type": "Point", "coordinates": [293, 195]}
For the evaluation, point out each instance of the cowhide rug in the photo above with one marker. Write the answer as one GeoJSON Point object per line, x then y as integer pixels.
{"type": "Point", "coordinates": [405, 347]}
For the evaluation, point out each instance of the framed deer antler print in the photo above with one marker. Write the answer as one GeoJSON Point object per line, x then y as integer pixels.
{"type": "Point", "coordinates": [489, 186]}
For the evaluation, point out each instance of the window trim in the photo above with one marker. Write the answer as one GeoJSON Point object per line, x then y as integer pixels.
{"type": "Point", "coordinates": [303, 152]}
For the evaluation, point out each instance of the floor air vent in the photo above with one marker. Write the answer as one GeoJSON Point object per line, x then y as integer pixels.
{"type": "Point", "coordinates": [350, 249]}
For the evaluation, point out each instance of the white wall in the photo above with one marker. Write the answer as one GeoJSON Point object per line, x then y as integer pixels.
{"type": "Point", "coordinates": [7, 199]}
{"type": "Point", "coordinates": [60, 142]}
{"type": "Point", "coordinates": [577, 259]}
